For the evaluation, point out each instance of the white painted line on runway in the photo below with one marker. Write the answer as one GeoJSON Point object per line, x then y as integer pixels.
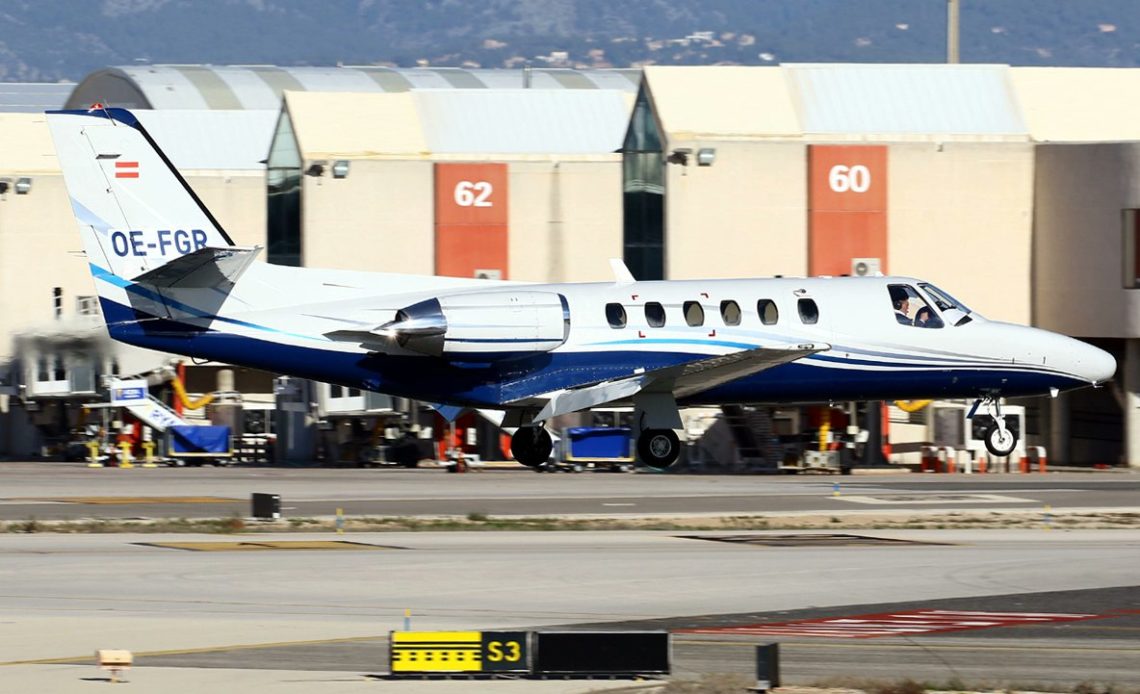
{"type": "Point", "coordinates": [619, 504]}
{"type": "Point", "coordinates": [937, 499]}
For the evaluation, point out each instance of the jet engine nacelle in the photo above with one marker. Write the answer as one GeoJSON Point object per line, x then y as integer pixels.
{"type": "Point", "coordinates": [500, 325]}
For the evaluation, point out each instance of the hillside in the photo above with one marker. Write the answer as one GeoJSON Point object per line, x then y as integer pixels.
{"type": "Point", "coordinates": [49, 40]}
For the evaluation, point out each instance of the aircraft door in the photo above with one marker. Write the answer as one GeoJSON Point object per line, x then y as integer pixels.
{"type": "Point", "coordinates": [813, 316]}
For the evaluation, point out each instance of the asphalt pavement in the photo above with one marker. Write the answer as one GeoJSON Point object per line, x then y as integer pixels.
{"type": "Point", "coordinates": [49, 491]}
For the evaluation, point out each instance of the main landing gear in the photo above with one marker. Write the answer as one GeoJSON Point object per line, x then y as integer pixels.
{"type": "Point", "coordinates": [658, 448]}
{"type": "Point", "coordinates": [531, 445]}
{"type": "Point", "coordinates": [999, 439]}
{"type": "Point", "coordinates": [656, 417]}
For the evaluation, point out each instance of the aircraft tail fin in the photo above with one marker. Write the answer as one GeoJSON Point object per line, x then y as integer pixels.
{"type": "Point", "coordinates": [135, 211]}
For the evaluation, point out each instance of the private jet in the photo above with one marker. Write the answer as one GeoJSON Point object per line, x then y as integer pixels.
{"type": "Point", "coordinates": [169, 278]}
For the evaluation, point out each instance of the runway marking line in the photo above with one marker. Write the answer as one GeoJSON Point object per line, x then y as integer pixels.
{"type": "Point", "coordinates": [908, 623]}
{"type": "Point", "coordinates": [263, 545]}
{"type": "Point", "coordinates": [135, 500]}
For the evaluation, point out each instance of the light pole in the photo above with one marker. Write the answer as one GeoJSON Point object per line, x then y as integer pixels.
{"type": "Point", "coordinates": [952, 31]}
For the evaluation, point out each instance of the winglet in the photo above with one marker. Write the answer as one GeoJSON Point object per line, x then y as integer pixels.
{"type": "Point", "coordinates": [622, 275]}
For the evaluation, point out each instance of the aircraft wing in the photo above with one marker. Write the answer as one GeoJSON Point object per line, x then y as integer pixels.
{"type": "Point", "coordinates": [682, 380]}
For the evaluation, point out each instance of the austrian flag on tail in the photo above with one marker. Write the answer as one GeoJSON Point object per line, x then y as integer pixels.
{"type": "Point", "coordinates": [126, 169]}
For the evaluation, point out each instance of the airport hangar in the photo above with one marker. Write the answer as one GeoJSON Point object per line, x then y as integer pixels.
{"type": "Point", "coordinates": [1014, 188]}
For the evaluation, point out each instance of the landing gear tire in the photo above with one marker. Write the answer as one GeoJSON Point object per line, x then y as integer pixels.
{"type": "Point", "coordinates": [531, 446]}
{"type": "Point", "coordinates": [1000, 442]}
{"type": "Point", "coordinates": [658, 448]}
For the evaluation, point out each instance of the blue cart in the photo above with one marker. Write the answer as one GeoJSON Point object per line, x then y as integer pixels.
{"type": "Point", "coordinates": [600, 448]}
{"type": "Point", "coordinates": [198, 445]}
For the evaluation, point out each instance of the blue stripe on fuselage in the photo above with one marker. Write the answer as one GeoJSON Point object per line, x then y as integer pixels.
{"type": "Point", "coordinates": [495, 382]}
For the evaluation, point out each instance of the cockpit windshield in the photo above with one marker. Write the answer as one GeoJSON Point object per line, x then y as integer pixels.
{"type": "Point", "coordinates": [959, 312]}
{"type": "Point", "coordinates": [942, 300]}
{"type": "Point", "coordinates": [910, 308]}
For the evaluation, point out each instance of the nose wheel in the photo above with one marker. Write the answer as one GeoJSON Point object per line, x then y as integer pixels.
{"type": "Point", "coordinates": [658, 448]}
{"type": "Point", "coordinates": [531, 445]}
{"type": "Point", "coordinates": [999, 439]}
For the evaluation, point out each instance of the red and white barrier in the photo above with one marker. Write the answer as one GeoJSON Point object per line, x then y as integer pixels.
{"type": "Point", "coordinates": [929, 461]}
{"type": "Point", "coordinates": [947, 459]}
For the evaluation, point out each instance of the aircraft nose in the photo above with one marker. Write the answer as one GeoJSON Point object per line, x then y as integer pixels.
{"type": "Point", "coordinates": [1078, 359]}
{"type": "Point", "coordinates": [1095, 364]}
{"type": "Point", "coordinates": [1083, 360]}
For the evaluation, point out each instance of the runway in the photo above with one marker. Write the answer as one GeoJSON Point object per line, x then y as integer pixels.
{"type": "Point", "coordinates": [325, 614]}
{"type": "Point", "coordinates": [48, 491]}
{"type": "Point", "coordinates": [269, 611]}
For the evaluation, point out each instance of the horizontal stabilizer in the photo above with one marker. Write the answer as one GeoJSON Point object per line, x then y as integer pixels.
{"type": "Point", "coordinates": [203, 268]}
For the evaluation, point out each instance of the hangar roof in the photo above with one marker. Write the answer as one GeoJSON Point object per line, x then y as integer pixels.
{"type": "Point", "coordinates": [228, 140]}
{"type": "Point", "coordinates": [434, 122]}
{"type": "Point", "coordinates": [261, 86]}
{"type": "Point", "coordinates": [892, 100]}
{"type": "Point", "coordinates": [1079, 104]}
{"type": "Point", "coordinates": [33, 97]}
{"type": "Point", "coordinates": [728, 101]}
{"type": "Point", "coordinates": [837, 101]}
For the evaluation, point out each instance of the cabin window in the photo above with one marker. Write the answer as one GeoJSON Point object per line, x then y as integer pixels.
{"type": "Point", "coordinates": [336, 391]}
{"type": "Point", "coordinates": [694, 313]}
{"type": "Point", "coordinates": [730, 312]}
{"type": "Point", "coordinates": [768, 312]}
{"type": "Point", "coordinates": [911, 309]}
{"type": "Point", "coordinates": [615, 315]}
{"type": "Point", "coordinates": [655, 314]}
{"type": "Point", "coordinates": [809, 312]}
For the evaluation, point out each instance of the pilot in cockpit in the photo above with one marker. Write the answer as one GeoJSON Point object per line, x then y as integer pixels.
{"type": "Point", "coordinates": [901, 301]}
{"type": "Point", "coordinates": [925, 318]}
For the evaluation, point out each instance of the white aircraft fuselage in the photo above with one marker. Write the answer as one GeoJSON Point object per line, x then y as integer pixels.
{"type": "Point", "coordinates": [870, 357]}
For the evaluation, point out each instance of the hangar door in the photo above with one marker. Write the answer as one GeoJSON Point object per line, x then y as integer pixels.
{"type": "Point", "coordinates": [847, 202]}
{"type": "Point", "coordinates": [471, 220]}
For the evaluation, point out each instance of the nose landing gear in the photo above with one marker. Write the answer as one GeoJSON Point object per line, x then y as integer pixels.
{"type": "Point", "coordinates": [1000, 440]}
